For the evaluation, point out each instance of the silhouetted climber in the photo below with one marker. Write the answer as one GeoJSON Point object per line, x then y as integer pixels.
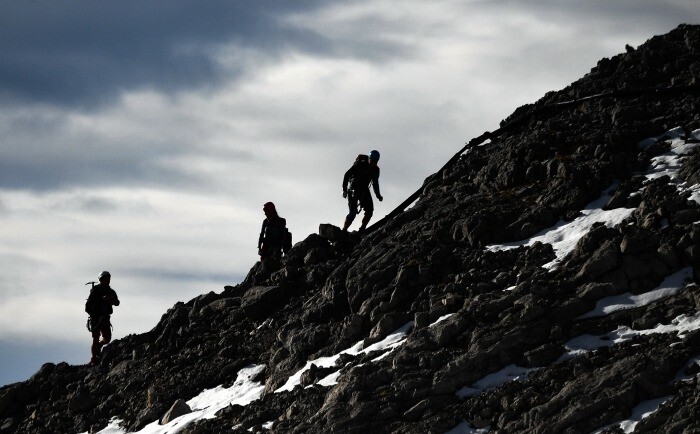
{"type": "Point", "coordinates": [273, 234]}
{"type": "Point", "coordinates": [356, 188]}
{"type": "Point", "coordinates": [99, 306]}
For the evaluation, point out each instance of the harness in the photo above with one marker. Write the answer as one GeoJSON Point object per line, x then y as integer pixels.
{"type": "Point", "coordinates": [358, 202]}
{"type": "Point", "coordinates": [90, 326]}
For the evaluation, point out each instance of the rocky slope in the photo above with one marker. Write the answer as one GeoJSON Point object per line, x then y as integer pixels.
{"type": "Point", "coordinates": [578, 326]}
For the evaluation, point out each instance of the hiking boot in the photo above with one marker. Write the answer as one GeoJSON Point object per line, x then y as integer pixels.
{"type": "Point", "coordinates": [94, 361]}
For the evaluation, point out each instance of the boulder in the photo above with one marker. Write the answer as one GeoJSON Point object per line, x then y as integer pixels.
{"type": "Point", "coordinates": [259, 301]}
{"type": "Point", "coordinates": [179, 408]}
{"type": "Point", "coordinates": [330, 232]}
{"type": "Point", "coordinates": [604, 259]}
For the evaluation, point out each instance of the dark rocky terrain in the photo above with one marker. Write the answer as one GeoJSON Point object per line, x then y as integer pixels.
{"type": "Point", "coordinates": [431, 260]}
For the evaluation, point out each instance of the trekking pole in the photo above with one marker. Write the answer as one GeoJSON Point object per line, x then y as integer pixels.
{"type": "Point", "coordinates": [91, 283]}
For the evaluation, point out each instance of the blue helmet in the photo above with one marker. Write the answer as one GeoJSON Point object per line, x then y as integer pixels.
{"type": "Point", "coordinates": [374, 155]}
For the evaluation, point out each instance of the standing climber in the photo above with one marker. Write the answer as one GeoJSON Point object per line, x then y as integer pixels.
{"type": "Point", "coordinates": [273, 235]}
{"type": "Point", "coordinates": [99, 306]}
{"type": "Point", "coordinates": [356, 188]}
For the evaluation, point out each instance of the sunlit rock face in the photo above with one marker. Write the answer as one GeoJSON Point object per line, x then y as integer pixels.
{"type": "Point", "coordinates": [546, 282]}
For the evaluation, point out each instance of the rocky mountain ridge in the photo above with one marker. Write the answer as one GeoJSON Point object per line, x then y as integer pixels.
{"type": "Point", "coordinates": [596, 311]}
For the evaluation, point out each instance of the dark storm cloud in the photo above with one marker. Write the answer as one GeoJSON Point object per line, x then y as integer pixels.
{"type": "Point", "coordinates": [39, 153]}
{"type": "Point", "coordinates": [93, 204]}
{"type": "Point", "coordinates": [55, 174]}
{"type": "Point", "coordinates": [86, 52]}
{"type": "Point", "coordinates": [182, 275]}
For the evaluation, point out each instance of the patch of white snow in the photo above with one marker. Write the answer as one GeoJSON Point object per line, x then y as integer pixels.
{"type": "Point", "coordinates": [643, 410]}
{"type": "Point", "coordinates": [387, 344]}
{"type": "Point", "coordinates": [564, 235]}
{"type": "Point", "coordinates": [465, 428]}
{"type": "Point", "coordinates": [442, 318]}
{"type": "Point", "coordinates": [206, 404]}
{"type": "Point", "coordinates": [681, 325]}
{"type": "Point", "coordinates": [670, 163]}
{"type": "Point", "coordinates": [505, 375]}
{"type": "Point", "coordinates": [670, 286]}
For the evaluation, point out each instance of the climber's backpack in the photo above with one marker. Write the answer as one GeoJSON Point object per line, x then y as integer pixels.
{"type": "Point", "coordinates": [91, 305]}
{"type": "Point", "coordinates": [361, 175]}
{"type": "Point", "coordinates": [275, 232]}
{"type": "Point", "coordinates": [90, 309]}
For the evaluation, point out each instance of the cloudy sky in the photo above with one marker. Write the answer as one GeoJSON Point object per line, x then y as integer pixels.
{"type": "Point", "coordinates": [144, 137]}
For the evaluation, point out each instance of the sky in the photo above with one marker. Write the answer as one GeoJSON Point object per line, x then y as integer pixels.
{"type": "Point", "coordinates": [143, 137]}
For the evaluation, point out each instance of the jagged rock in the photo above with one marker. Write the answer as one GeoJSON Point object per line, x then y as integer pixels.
{"type": "Point", "coordinates": [81, 402]}
{"type": "Point", "coordinates": [596, 291]}
{"type": "Point", "coordinates": [202, 301]}
{"type": "Point", "coordinates": [297, 255]}
{"type": "Point", "coordinates": [446, 331]}
{"type": "Point", "coordinates": [7, 424]}
{"type": "Point", "coordinates": [179, 408]}
{"type": "Point", "coordinates": [149, 414]}
{"type": "Point", "coordinates": [258, 301]}
{"type": "Point", "coordinates": [7, 398]}
{"type": "Point", "coordinates": [352, 326]}
{"type": "Point", "coordinates": [386, 325]}
{"type": "Point", "coordinates": [317, 255]}
{"type": "Point", "coordinates": [219, 306]}
{"type": "Point", "coordinates": [314, 374]}
{"type": "Point", "coordinates": [330, 232]}
{"type": "Point", "coordinates": [603, 260]}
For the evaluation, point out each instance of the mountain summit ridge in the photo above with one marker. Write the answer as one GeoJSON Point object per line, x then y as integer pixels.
{"type": "Point", "coordinates": [544, 283]}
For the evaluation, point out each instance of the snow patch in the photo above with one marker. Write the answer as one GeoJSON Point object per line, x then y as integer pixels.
{"type": "Point", "coordinates": [681, 325]}
{"type": "Point", "coordinates": [643, 410]}
{"type": "Point", "coordinates": [388, 344]}
{"type": "Point", "coordinates": [670, 163]}
{"type": "Point", "coordinates": [465, 428]}
{"type": "Point", "coordinates": [206, 404]}
{"type": "Point", "coordinates": [565, 235]}
{"type": "Point", "coordinates": [442, 318]}
{"type": "Point", "coordinates": [670, 286]}
{"type": "Point", "coordinates": [505, 375]}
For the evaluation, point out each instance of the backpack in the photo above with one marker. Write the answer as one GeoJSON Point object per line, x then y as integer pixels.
{"type": "Point", "coordinates": [91, 305]}
{"type": "Point", "coordinates": [361, 174]}
{"type": "Point", "coordinates": [276, 232]}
